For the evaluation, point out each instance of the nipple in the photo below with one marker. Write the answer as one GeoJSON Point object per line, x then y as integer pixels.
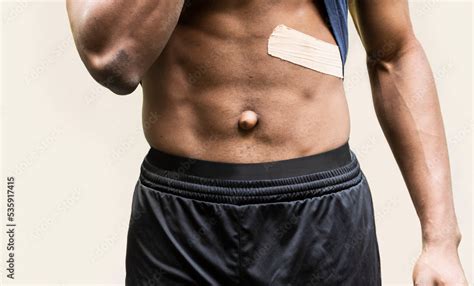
{"type": "Point", "coordinates": [248, 119]}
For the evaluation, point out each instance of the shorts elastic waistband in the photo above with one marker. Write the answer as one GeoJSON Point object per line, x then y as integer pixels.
{"type": "Point", "coordinates": [328, 160]}
{"type": "Point", "coordinates": [235, 183]}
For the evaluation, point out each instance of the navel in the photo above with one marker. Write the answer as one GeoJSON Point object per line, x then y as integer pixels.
{"type": "Point", "coordinates": [248, 120]}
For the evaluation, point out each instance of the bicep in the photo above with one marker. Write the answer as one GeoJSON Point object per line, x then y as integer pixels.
{"type": "Point", "coordinates": [384, 26]}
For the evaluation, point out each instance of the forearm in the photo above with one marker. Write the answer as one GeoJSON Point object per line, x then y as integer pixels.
{"type": "Point", "coordinates": [118, 40]}
{"type": "Point", "coordinates": [407, 107]}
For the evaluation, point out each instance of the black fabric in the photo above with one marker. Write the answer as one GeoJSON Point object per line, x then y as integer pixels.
{"type": "Point", "coordinates": [250, 171]}
{"type": "Point", "coordinates": [313, 229]}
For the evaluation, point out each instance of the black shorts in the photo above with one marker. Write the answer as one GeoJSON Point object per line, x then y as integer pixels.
{"type": "Point", "coordinates": [303, 221]}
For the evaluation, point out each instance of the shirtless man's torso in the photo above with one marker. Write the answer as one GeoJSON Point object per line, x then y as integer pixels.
{"type": "Point", "coordinates": [216, 66]}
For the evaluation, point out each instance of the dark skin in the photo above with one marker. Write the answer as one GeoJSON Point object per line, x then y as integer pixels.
{"type": "Point", "coordinates": [203, 65]}
{"type": "Point", "coordinates": [214, 67]}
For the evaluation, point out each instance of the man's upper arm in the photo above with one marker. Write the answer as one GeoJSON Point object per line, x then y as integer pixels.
{"type": "Point", "coordinates": [383, 25]}
{"type": "Point", "coordinates": [118, 40]}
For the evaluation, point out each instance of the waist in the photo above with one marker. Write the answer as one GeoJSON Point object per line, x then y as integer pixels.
{"type": "Point", "coordinates": [238, 183]}
{"type": "Point", "coordinates": [305, 165]}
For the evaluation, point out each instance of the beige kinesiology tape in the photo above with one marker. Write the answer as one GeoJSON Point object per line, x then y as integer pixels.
{"type": "Point", "coordinates": [304, 50]}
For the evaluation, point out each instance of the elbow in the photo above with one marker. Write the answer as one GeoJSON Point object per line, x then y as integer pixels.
{"type": "Point", "coordinates": [115, 72]}
{"type": "Point", "coordinates": [387, 56]}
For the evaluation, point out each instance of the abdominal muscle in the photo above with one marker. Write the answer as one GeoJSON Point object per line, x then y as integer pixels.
{"type": "Point", "coordinates": [215, 67]}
